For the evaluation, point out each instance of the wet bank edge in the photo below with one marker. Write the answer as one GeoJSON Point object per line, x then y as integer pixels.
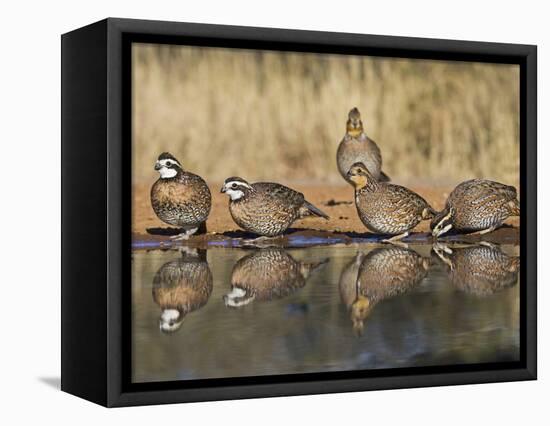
{"type": "Point", "coordinates": [159, 238]}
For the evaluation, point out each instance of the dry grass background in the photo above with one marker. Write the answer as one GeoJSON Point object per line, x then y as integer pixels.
{"type": "Point", "coordinates": [280, 116]}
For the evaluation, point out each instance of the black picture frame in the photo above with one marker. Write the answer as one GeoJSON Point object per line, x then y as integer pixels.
{"type": "Point", "coordinates": [96, 121]}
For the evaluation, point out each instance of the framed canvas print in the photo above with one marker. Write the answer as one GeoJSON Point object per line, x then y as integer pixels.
{"type": "Point", "coordinates": [252, 212]}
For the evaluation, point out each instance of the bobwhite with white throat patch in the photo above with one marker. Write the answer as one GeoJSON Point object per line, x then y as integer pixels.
{"type": "Point", "coordinates": [180, 198]}
{"type": "Point", "coordinates": [266, 208]}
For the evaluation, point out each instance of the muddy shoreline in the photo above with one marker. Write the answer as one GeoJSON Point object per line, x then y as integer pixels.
{"type": "Point", "coordinates": [295, 238]}
{"type": "Point", "coordinates": [344, 226]}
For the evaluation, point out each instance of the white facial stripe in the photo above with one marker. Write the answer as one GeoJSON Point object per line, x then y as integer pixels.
{"type": "Point", "coordinates": [437, 228]}
{"type": "Point", "coordinates": [238, 183]}
{"type": "Point", "coordinates": [164, 326]}
{"type": "Point", "coordinates": [167, 161]}
{"type": "Point", "coordinates": [441, 254]}
{"type": "Point", "coordinates": [446, 229]}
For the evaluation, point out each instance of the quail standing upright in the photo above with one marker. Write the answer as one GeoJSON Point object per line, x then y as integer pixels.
{"type": "Point", "coordinates": [386, 208]}
{"type": "Point", "coordinates": [476, 205]}
{"type": "Point", "coordinates": [266, 208]}
{"type": "Point", "coordinates": [357, 147]}
{"type": "Point", "coordinates": [180, 198]}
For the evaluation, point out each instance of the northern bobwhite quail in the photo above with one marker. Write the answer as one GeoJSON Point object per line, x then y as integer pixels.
{"type": "Point", "coordinates": [382, 273]}
{"type": "Point", "coordinates": [386, 208]}
{"type": "Point", "coordinates": [182, 286]}
{"type": "Point", "coordinates": [265, 275]}
{"type": "Point", "coordinates": [481, 269]}
{"type": "Point", "coordinates": [266, 208]}
{"type": "Point", "coordinates": [180, 198]}
{"type": "Point", "coordinates": [357, 147]}
{"type": "Point", "coordinates": [476, 205]}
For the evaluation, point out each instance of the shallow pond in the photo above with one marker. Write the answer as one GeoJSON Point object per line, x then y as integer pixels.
{"type": "Point", "coordinates": [227, 312]}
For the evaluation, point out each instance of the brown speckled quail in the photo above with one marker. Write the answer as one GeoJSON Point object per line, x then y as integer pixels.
{"type": "Point", "coordinates": [180, 198]}
{"type": "Point", "coordinates": [476, 205]}
{"type": "Point", "coordinates": [265, 275]}
{"type": "Point", "coordinates": [382, 273]}
{"type": "Point", "coordinates": [481, 270]}
{"type": "Point", "coordinates": [386, 208]}
{"type": "Point", "coordinates": [180, 287]}
{"type": "Point", "coordinates": [266, 208]}
{"type": "Point", "coordinates": [356, 147]}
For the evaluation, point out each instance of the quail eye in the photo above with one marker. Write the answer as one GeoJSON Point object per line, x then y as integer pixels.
{"type": "Point", "coordinates": [168, 163]}
{"type": "Point", "coordinates": [234, 186]}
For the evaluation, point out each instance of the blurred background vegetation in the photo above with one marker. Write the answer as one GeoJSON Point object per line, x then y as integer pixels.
{"type": "Point", "coordinates": [281, 115]}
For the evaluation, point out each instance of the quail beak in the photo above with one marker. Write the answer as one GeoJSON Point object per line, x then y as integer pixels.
{"type": "Point", "coordinates": [222, 190]}
{"type": "Point", "coordinates": [158, 166]}
{"type": "Point", "coordinates": [349, 174]}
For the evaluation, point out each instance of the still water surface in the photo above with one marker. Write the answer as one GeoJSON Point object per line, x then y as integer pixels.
{"type": "Point", "coordinates": [235, 312]}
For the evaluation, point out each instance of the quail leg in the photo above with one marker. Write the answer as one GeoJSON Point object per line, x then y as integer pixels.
{"type": "Point", "coordinates": [398, 244]}
{"type": "Point", "coordinates": [488, 244]}
{"type": "Point", "coordinates": [262, 241]}
{"type": "Point", "coordinates": [486, 231]}
{"type": "Point", "coordinates": [184, 235]}
{"type": "Point", "coordinates": [396, 238]}
{"type": "Point", "coordinates": [188, 251]}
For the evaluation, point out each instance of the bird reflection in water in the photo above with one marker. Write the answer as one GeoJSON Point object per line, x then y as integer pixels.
{"type": "Point", "coordinates": [480, 269]}
{"type": "Point", "coordinates": [182, 286]}
{"type": "Point", "coordinates": [265, 275]}
{"type": "Point", "coordinates": [382, 273]}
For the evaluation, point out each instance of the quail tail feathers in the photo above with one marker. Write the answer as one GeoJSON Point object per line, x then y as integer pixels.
{"type": "Point", "coordinates": [309, 209]}
{"type": "Point", "coordinates": [307, 268]}
{"type": "Point", "coordinates": [383, 177]}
